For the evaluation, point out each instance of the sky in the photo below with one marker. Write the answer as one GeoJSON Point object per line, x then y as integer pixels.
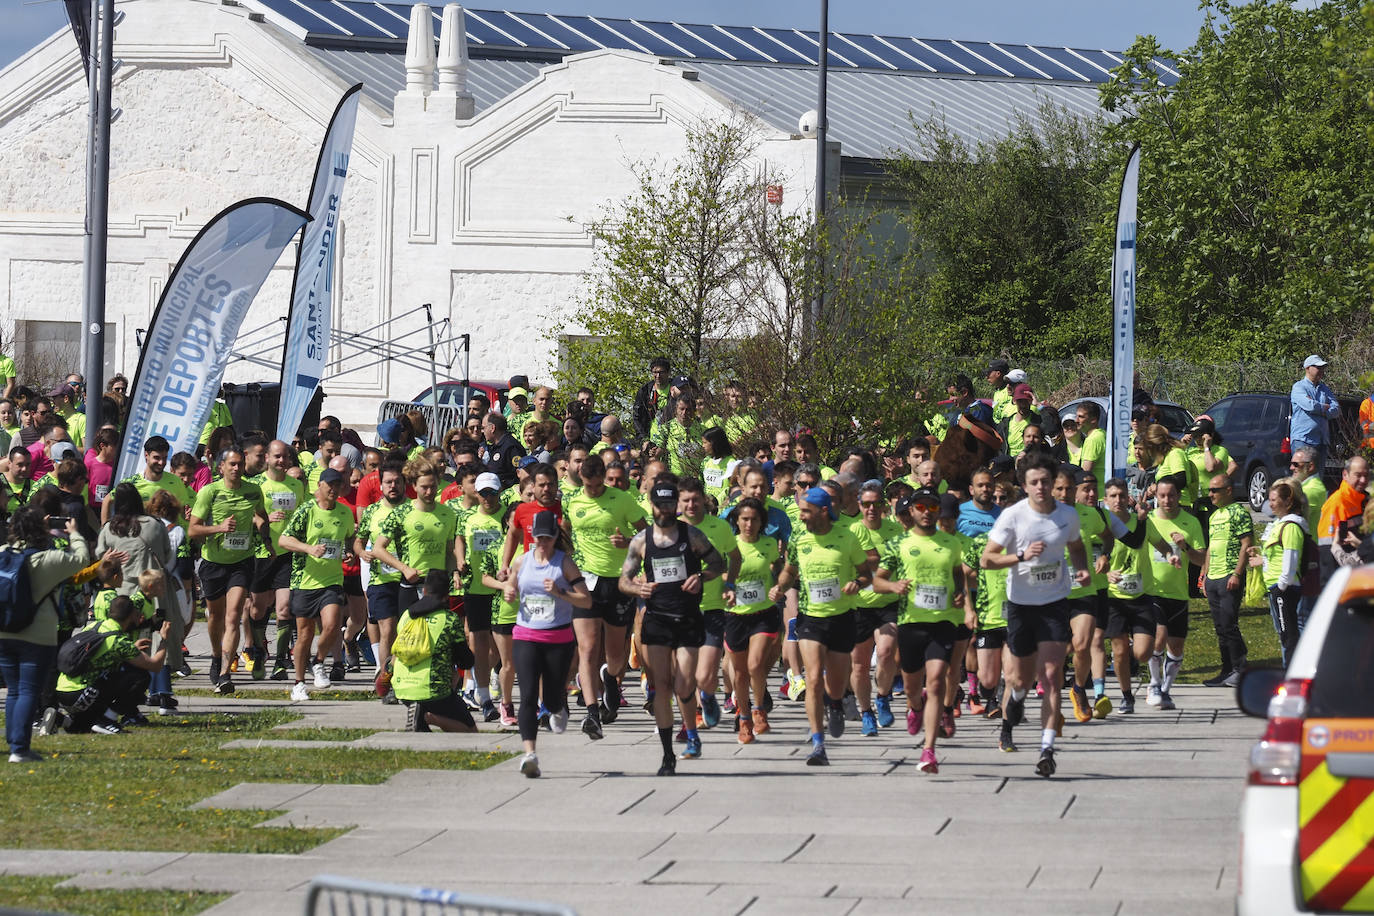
{"type": "Point", "coordinates": [1109, 24]}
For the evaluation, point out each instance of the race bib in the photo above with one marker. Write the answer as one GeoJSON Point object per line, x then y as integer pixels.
{"type": "Point", "coordinates": [237, 540]}
{"type": "Point", "coordinates": [1130, 584]}
{"type": "Point", "coordinates": [592, 579]}
{"type": "Point", "coordinates": [539, 608]}
{"type": "Point", "coordinates": [930, 597]}
{"type": "Point", "coordinates": [333, 550]}
{"type": "Point", "coordinates": [283, 501]}
{"type": "Point", "coordinates": [715, 478]}
{"type": "Point", "coordinates": [749, 592]}
{"type": "Point", "coordinates": [101, 491]}
{"type": "Point", "coordinates": [822, 591]}
{"type": "Point", "coordinates": [1044, 574]}
{"type": "Point", "coordinates": [669, 569]}
{"type": "Point", "coordinates": [483, 538]}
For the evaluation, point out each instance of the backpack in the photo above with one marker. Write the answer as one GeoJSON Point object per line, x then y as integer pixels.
{"type": "Point", "coordinates": [413, 643]}
{"type": "Point", "coordinates": [17, 604]}
{"type": "Point", "coordinates": [1309, 566]}
{"type": "Point", "coordinates": [75, 656]}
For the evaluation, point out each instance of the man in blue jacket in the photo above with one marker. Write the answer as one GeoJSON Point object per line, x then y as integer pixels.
{"type": "Point", "coordinates": [1313, 406]}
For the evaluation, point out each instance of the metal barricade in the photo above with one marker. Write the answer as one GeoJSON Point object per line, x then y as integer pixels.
{"type": "Point", "coordinates": [330, 895]}
{"type": "Point", "coordinates": [449, 417]}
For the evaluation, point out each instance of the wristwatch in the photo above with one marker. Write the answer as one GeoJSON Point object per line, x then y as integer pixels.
{"type": "Point", "coordinates": [1020, 556]}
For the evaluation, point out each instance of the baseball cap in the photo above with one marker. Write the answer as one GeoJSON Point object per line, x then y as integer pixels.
{"type": "Point", "coordinates": [1203, 424]}
{"type": "Point", "coordinates": [488, 481]}
{"type": "Point", "coordinates": [60, 450]}
{"type": "Point", "coordinates": [928, 495]}
{"type": "Point", "coordinates": [331, 476]}
{"type": "Point", "coordinates": [1022, 392]}
{"type": "Point", "coordinates": [1083, 477]}
{"type": "Point", "coordinates": [681, 381]}
{"type": "Point", "coordinates": [1016, 376]}
{"type": "Point", "coordinates": [545, 525]}
{"type": "Point", "coordinates": [390, 431]}
{"type": "Point", "coordinates": [999, 365]}
{"type": "Point", "coordinates": [1313, 360]}
{"type": "Point", "coordinates": [519, 381]}
{"type": "Point", "coordinates": [663, 493]}
{"type": "Point", "coordinates": [65, 391]}
{"type": "Point", "coordinates": [518, 393]}
{"type": "Point", "coordinates": [819, 496]}
{"type": "Point", "coordinates": [527, 461]}
{"type": "Point", "coordinates": [949, 506]}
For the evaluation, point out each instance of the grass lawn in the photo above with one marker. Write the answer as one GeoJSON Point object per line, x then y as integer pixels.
{"type": "Point", "coordinates": [1202, 660]}
{"type": "Point", "coordinates": [324, 734]}
{"type": "Point", "coordinates": [41, 892]}
{"type": "Point", "coordinates": [134, 791]}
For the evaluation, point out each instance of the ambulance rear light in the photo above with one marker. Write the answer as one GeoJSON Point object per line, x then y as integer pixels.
{"type": "Point", "coordinates": [1276, 759]}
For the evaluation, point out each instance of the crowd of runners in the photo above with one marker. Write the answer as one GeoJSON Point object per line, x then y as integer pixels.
{"type": "Point", "coordinates": [539, 563]}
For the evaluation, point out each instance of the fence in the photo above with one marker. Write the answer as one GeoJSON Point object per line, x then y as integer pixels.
{"type": "Point", "coordinates": [330, 895]}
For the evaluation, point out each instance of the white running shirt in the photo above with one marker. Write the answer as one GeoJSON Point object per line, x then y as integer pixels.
{"type": "Point", "coordinates": [1044, 579]}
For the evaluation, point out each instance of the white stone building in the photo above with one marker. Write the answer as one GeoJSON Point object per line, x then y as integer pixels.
{"type": "Point", "coordinates": [475, 206]}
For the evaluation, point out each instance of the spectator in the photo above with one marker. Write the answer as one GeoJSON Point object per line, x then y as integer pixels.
{"type": "Point", "coordinates": [64, 398]}
{"type": "Point", "coordinates": [27, 654]}
{"type": "Point", "coordinates": [499, 452]}
{"type": "Point", "coordinates": [1340, 525]}
{"type": "Point", "coordinates": [117, 677]}
{"type": "Point", "coordinates": [100, 465]}
{"type": "Point", "coordinates": [652, 397]}
{"type": "Point", "coordinates": [1313, 406]}
{"type": "Point", "coordinates": [9, 377]}
{"type": "Point", "coordinates": [348, 447]}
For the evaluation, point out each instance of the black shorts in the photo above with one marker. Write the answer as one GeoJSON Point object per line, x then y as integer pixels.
{"type": "Point", "coordinates": [1127, 618]}
{"type": "Point", "coordinates": [216, 579]}
{"type": "Point", "coordinates": [353, 586]}
{"type": "Point", "coordinates": [383, 601]}
{"type": "Point", "coordinates": [271, 573]}
{"type": "Point", "coordinates": [869, 619]}
{"type": "Point", "coordinates": [993, 639]}
{"type": "Point", "coordinates": [478, 610]}
{"type": "Point", "coordinates": [307, 603]}
{"type": "Point", "coordinates": [503, 629]}
{"type": "Point", "coordinates": [918, 643]}
{"type": "Point", "coordinates": [714, 621]}
{"type": "Point", "coordinates": [835, 633]}
{"type": "Point", "coordinates": [1094, 604]}
{"type": "Point", "coordinates": [1028, 625]}
{"type": "Point", "coordinates": [741, 628]}
{"type": "Point", "coordinates": [962, 633]}
{"type": "Point", "coordinates": [685, 632]}
{"type": "Point", "coordinates": [450, 707]}
{"type": "Point", "coordinates": [1173, 615]}
{"type": "Point", "coordinates": [608, 604]}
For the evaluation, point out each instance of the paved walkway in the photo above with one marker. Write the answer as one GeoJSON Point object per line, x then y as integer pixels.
{"type": "Point", "coordinates": [1140, 819]}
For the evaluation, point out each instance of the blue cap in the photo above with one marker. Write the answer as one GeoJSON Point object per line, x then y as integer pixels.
{"type": "Point", "coordinates": [527, 461]}
{"type": "Point", "coordinates": [390, 431]}
{"type": "Point", "coordinates": [818, 496]}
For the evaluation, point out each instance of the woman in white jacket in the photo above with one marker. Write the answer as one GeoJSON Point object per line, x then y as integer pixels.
{"type": "Point", "coordinates": [1280, 553]}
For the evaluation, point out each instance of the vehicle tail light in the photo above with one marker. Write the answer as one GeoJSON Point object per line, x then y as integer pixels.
{"type": "Point", "coordinates": [1286, 448]}
{"type": "Point", "coordinates": [1275, 760]}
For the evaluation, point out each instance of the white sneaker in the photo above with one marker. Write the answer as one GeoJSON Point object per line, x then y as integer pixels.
{"type": "Point", "coordinates": [1154, 697]}
{"type": "Point", "coordinates": [558, 723]}
{"type": "Point", "coordinates": [321, 676]}
{"type": "Point", "coordinates": [529, 765]}
{"type": "Point", "coordinates": [299, 693]}
{"type": "Point", "coordinates": [106, 728]}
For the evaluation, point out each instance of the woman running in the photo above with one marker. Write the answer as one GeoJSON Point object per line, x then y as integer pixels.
{"type": "Point", "coordinates": [753, 620]}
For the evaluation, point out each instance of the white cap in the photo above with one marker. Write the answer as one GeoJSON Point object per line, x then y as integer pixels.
{"type": "Point", "coordinates": [488, 481]}
{"type": "Point", "coordinates": [1016, 376]}
{"type": "Point", "coordinates": [1313, 360]}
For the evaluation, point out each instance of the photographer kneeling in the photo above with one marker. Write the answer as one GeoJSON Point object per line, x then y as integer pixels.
{"type": "Point", "coordinates": [109, 671]}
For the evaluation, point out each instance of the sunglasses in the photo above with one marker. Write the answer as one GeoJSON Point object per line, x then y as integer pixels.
{"type": "Point", "coordinates": [869, 504]}
{"type": "Point", "coordinates": [1217, 489]}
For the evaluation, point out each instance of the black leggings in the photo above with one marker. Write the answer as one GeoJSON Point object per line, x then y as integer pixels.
{"type": "Point", "coordinates": [547, 662]}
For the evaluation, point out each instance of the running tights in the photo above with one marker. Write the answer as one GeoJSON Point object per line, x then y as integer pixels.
{"type": "Point", "coordinates": [536, 663]}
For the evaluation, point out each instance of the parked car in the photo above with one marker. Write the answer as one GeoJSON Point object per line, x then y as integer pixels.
{"type": "Point", "coordinates": [454, 393]}
{"type": "Point", "coordinates": [1254, 425]}
{"type": "Point", "coordinates": [1176, 418]}
{"type": "Point", "coordinates": [1305, 825]}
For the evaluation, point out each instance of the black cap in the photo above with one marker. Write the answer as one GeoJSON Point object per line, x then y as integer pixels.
{"type": "Point", "coordinates": [1202, 425]}
{"type": "Point", "coordinates": [998, 365]}
{"type": "Point", "coordinates": [919, 495]}
{"type": "Point", "coordinates": [1083, 477]}
{"type": "Point", "coordinates": [545, 525]}
{"type": "Point", "coordinates": [331, 476]}
{"type": "Point", "coordinates": [949, 506]}
{"type": "Point", "coordinates": [681, 381]}
{"type": "Point", "coordinates": [663, 493]}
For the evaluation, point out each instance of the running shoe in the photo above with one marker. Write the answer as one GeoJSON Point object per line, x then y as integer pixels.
{"type": "Point", "coordinates": [913, 721]}
{"type": "Point", "coordinates": [1232, 679]}
{"type": "Point", "coordinates": [947, 723]}
{"type": "Point", "coordinates": [608, 713]}
{"type": "Point", "coordinates": [669, 766]}
{"type": "Point", "coordinates": [958, 706]}
{"type": "Point", "coordinates": [133, 718]}
{"type": "Point", "coordinates": [106, 728]}
{"type": "Point", "coordinates": [648, 693]}
{"type": "Point", "coordinates": [610, 690]}
{"type": "Point", "coordinates": [52, 719]}
{"type": "Point", "coordinates": [898, 688]}
{"type": "Point", "coordinates": [869, 728]}
{"type": "Point", "coordinates": [354, 657]}
{"type": "Point", "coordinates": [796, 687]}
{"type": "Point", "coordinates": [257, 664]}
{"type": "Point", "coordinates": [166, 705]}
{"type": "Point", "coordinates": [1127, 706]}
{"type": "Point", "coordinates": [558, 722]}
{"type": "Point", "coordinates": [928, 763]}
{"type": "Point", "coordinates": [470, 698]}
{"type": "Point", "coordinates": [681, 737]}
{"type": "Point", "coordinates": [529, 765]}
{"type": "Point", "coordinates": [728, 707]}
{"type": "Point", "coordinates": [766, 703]}
{"type": "Point", "coordinates": [1016, 711]}
{"type": "Point", "coordinates": [545, 720]}
{"type": "Point", "coordinates": [976, 706]}
{"type": "Point", "coordinates": [817, 757]}
{"type": "Point", "coordinates": [365, 650]}
{"type": "Point", "coordinates": [489, 712]}
{"type": "Point", "coordinates": [994, 710]}
{"type": "Point", "coordinates": [225, 686]}
{"type": "Point", "coordinates": [508, 719]}
{"type": "Point", "coordinates": [693, 749]}
{"type": "Point", "coordinates": [746, 730]}
{"type": "Point", "coordinates": [299, 693]}
{"type": "Point", "coordinates": [239, 661]}
{"type": "Point", "coordinates": [1079, 696]}
{"type": "Point", "coordinates": [185, 670]}
{"type": "Point", "coordinates": [1039, 689]}
{"type": "Point", "coordinates": [1218, 681]}
{"type": "Point", "coordinates": [25, 757]}
{"type": "Point", "coordinates": [321, 677]}
{"type": "Point", "coordinates": [214, 671]}
{"type": "Point", "coordinates": [381, 683]}
{"type": "Point", "coordinates": [390, 699]}
{"type": "Point", "coordinates": [1045, 765]}
{"type": "Point", "coordinates": [592, 728]}
{"type": "Point", "coordinates": [1004, 741]}
{"type": "Point", "coordinates": [710, 710]}
{"type": "Point", "coordinates": [279, 673]}
{"type": "Point", "coordinates": [835, 719]}
{"type": "Point", "coordinates": [1166, 701]}
{"type": "Point", "coordinates": [1153, 695]}
{"type": "Point", "coordinates": [851, 707]}
{"type": "Point", "coordinates": [884, 709]}
{"type": "Point", "coordinates": [1101, 706]}
{"type": "Point", "coordinates": [761, 726]}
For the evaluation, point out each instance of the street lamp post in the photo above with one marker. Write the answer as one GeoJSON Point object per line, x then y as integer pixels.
{"type": "Point", "coordinates": [822, 71]}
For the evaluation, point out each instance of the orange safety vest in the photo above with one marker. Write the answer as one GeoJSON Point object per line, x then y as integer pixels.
{"type": "Point", "coordinates": [1367, 421]}
{"type": "Point", "coordinates": [1347, 502]}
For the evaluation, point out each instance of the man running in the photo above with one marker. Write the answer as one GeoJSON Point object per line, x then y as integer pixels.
{"type": "Point", "coordinates": [1181, 534]}
{"type": "Point", "coordinates": [383, 582]}
{"type": "Point", "coordinates": [876, 621]}
{"type": "Point", "coordinates": [422, 533]}
{"type": "Point", "coordinates": [692, 510]}
{"type": "Point", "coordinates": [1088, 604]}
{"type": "Point", "coordinates": [1030, 539]}
{"type": "Point", "coordinates": [271, 589]}
{"type": "Point", "coordinates": [667, 565]}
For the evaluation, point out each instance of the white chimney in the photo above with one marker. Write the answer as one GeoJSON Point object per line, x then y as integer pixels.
{"type": "Point", "coordinates": [420, 51]}
{"type": "Point", "coordinates": [453, 63]}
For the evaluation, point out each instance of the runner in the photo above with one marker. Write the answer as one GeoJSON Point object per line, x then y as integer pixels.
{"type": "Point", "coordinates": [545, 493]}
{"type": "Point", "coordinates": [964, 653]}
{"type": "Point", "coordinates": [1130, 612]}
{"type": "Point", "coordinates": [829, 566]}
{"type": "Point", "coordinates": [422, 531]}
{"type": "Point", "coordinates": [225, 514]}
{"type": "Point", "coordinates": [600, 521]}
{"type": "Point", "coordinates": [692, 510]}
{"type": "Point", "coordinates": [988, 588]}
{"type": "Point", "coordinates": [383, 584]}
{"type": "Point", "coordinates": [479, 530]}
{"type": "Point", "coordinates": [1088, 604]}
{"type": "Point", "coordinates": [876, 618]}
{"type": "Point", "coordinates": [666, 565]}
{"type": "Point", "coordinates": [1179, 533]}
{"type": "Point", "coordinates": [271, 587]}
{"type": "Point", "coordinates": [754, 620]}
{"type": "Point", "coordinates": [929, 564]}
{"type": "Point", "coordinates": [548, 586]}
{"type": "Point", "coordinates": [316, 536]}
{"type": "Point", "coordinates": [1030, 540]}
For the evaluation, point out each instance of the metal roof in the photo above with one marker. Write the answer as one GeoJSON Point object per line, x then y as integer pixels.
{"type": "Point", "coordinates": [383, 74]}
